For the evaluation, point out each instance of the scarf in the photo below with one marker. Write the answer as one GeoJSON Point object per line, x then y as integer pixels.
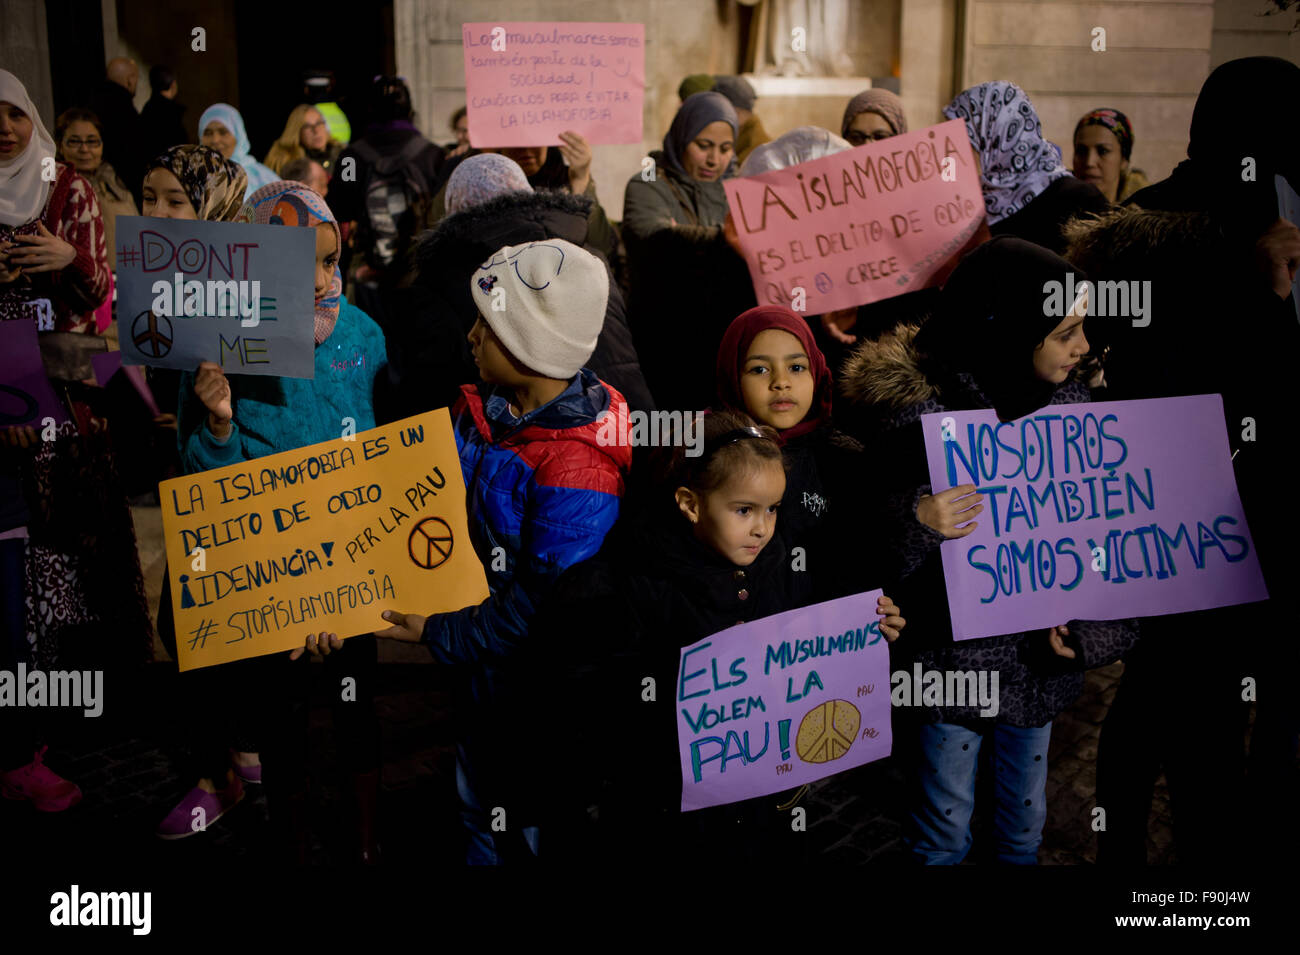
{"type": "Point", "coordinates": [23, 190]}
{"type": "Point", "coordinates": [1116, 122]}
{"type": "Point", "coordinates": [698, 111]}
{"type": "Point", "coordinates": [1016, 163]}
{"type": "Point", "coordinates": [215, 185]}
{"type": "Point", "coordinates": [883, 103]}
{"type": "Point", "coordinates": [990, 319]}
{"type": "Point", "coordinates": [294, 204]}
{"type": "Point", "coordinates": [483, 177]}
{"type": "Point", "coordinates": [228, 116]}
{"type": "Point", "coordinates": [740, 335]}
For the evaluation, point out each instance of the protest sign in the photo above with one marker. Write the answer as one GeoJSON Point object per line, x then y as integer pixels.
{"type": "Point", "coordinates": [108, 364]}
{"type": "Point", "coordinates": [773, 704]}
{"type": "Point", "coordinates": [320, 539]}
{"type": "Point", "coordinates": [1288, 208]}
{"type": "Point", "coordinates": [862, 225]}
{"type": "Point", "coordinates": [1092, 512]}
{"type": "Point", "coordinates": [26, 396]}
{"type": "Point", "coordinates": [238, 294]}
{"type": "Point", "coordinates": [525, 83]}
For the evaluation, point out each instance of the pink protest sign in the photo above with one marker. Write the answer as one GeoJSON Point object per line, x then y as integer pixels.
{"type": "Point", "coordinates": [773, 704]}
{"type": "Point", "coordinates": [862, 225]}
{"type": "Point", "coordinates": [26, 396]}
{"type": "Point", "coordinates": [1092, 512]}
{"type": "Point", "coordinates": [525, 83]}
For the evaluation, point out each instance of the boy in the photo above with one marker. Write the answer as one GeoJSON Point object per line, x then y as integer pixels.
{"type": "Point", "coordinates": [541, 494]}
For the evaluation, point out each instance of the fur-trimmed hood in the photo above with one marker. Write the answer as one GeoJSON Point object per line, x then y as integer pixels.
{"type": "Point", "coordinates": [885, 374]}
{"type": "Point", "coordinates": [1129, 239]}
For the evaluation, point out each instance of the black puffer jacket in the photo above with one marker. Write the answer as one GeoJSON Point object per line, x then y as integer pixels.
{"type": "Point", "coordinates": [885, 377]}
{"type": "Point", "coordinates": [428, 355]}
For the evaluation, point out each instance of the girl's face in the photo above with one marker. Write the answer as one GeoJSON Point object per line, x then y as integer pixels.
{"type": "Point", "coordinates": [776, 381]}
{"type": "Point", "coordinates": [530, 158]}
{"type": "Point", "coordinates": [867, 127]}
{"type": "Point", "coordinates": [707, 155]}
{"type": "Point", "coordinates": [327, 257]}
{"type": "Point", "coordinates": [217, 137]}
{"type": "Point", "coordinates": [315, 132]}
{"type": "Point", "coordinates": [82, 146]}
{"type": "Point", "coordinates": [164, 197]}
{"type": "Point", "coordinates": [1097, 159]}
{"type": "Point", "coordinates": [1059, 353]}
{"type": "Point", "coordinates": [461, 129]}
{"type": "Point", "coordinates": [738, 518]}
{"type": "Point", "coordinates": [15, 131]}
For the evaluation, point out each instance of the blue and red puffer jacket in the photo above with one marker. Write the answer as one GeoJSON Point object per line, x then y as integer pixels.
{"type": "Point", "coordinates": [541, 494]}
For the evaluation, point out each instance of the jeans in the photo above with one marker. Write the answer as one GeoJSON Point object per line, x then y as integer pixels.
{"type": "Point", "coordinates": [484, 846]}
{"type": "Point", "coordinates": [949, 755]}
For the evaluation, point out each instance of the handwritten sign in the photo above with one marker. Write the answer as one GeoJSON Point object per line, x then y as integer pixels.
{"type": "Point", "coordinates": [1288, 208]}
{"type": "Point", "coordinates": [525, 83]}
{"type": "Point", "coordinates": [862, 225]}
{"type": "Point", "coordinates": [1092, 512]}
{"type": "Point", "coordinates": [238, 294]}
{"type": "Point", "coordinates": [773, 704]}
{"type": "Point", "coordinates": [26, 396]}
{"type": "Point", "coordinates": [323, 538]}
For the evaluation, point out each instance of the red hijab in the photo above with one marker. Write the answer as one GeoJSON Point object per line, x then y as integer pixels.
{"type": "Point", "coordinates": [731, 362]}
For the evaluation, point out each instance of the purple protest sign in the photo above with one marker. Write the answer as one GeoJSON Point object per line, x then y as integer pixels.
{"type": "Point", "coordinates": [1092, 512]}
{"type": "Point", "coordinates": [26, 397]}
{"type": "Point", "coordinates": [773, 704]}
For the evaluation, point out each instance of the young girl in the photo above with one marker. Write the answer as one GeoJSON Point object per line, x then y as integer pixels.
{"type": "Point", "coordinates": [990, 346]}
{"type": "Point", "coordinates": [711, 556]}
{"type": "Point", "coordinates": [769, 365]}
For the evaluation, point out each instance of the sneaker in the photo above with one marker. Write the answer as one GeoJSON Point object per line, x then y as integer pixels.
{"type": "Point", "coordinates": [249, 774]}
{"type": "Point", "coordinates": [48, 791]}
{"type": "Point", "coordinates": [183, 820]}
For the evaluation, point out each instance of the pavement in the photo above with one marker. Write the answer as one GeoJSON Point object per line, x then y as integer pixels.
{"type": "Point", "coordinates": [126, 763]}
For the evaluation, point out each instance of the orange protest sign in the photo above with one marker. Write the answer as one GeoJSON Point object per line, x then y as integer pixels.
{"type": "Point", "coordinates": [322, 538]}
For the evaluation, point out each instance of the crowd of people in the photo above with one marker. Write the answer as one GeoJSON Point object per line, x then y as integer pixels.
{"type": "Point", "coordinates": [617, 557]}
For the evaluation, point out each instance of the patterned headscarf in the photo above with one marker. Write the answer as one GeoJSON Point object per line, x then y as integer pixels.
{"type": "Point", "coordinates": [294, 204]}
{"type": "Point", "coordinates": [215, 185]}
{"type": "Point", "coordinates": [1116, 122]}
{"type": "Point", "coordinates": [698, 111]}
{"type": "Point", "coordinates": [883, 103]}
{"type": "Point", "coordinates": [1016, 163]}
{"type": "Point", "coordinates": [228, 116]}
{"type": "Point", "coordinates": [480, 178]}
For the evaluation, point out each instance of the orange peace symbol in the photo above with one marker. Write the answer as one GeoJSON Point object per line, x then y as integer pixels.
{"type": "Point", "coordinates": [430, 543]}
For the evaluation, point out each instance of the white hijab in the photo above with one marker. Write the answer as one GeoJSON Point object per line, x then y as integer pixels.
{"type": "Point", "coordinates": [23, 190]}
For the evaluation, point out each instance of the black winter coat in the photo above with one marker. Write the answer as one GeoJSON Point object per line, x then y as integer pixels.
{"type": "Point", "coordinates": [429, 357]}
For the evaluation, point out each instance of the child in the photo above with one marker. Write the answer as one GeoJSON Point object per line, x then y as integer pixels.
{"type": "Point", "coordinates": [990, 346]}
{"type": "Point", "coordinates": [711, 557]}
{"type": "Point", "coordinates": [770, 366]}
{"type": "Point", "coordinates": [542, 492]}
{"type": "Point", "coordinates": [225, 421]}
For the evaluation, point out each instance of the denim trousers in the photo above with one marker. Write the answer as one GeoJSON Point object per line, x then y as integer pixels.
{"type": "Point", "coordinates": [947, 760]}
{"type": "Point", "coordinates": [485, 846]}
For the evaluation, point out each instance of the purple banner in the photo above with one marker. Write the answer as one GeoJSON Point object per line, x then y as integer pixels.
{"type": "Point", "coordinates": [1092, 512]}
{"type": "Point", "coordinates": [770, 705]}
{"type": "Point", "coordinates": [26, 396]}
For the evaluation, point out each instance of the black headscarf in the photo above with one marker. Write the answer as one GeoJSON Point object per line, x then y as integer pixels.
{"type": "Point", "coordinates": [991, 317]}
{"type": "Point", "coordinates": [696, 112]}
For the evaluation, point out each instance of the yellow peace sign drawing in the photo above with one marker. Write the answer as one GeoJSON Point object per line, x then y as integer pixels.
{"type": "Point", "coordinates": [827, 731]}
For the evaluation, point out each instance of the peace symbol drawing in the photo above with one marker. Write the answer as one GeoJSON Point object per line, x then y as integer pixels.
{"type": "Point", "coordinates": [430, 543]}
{"type": "Point", "coordinates": [9, 416]}
{"type": "Point", "coordinates": [152, 334]}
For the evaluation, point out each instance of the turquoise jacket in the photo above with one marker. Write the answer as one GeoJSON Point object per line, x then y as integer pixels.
{"type": "Point", "coordinates": [274, 414]}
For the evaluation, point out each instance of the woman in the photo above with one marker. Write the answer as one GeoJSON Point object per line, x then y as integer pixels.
{"type": "Point", "coordinates": [69, 569]}
{"type": "Point", "coordinates": [306, 134]}
{"type": "Point", "coordinates": [1103, 145]}
{"type": "Point", "coordinates": [81, 144]}
{"type": "Point", "coordinates": [222, 128]}
{"type": "Point", "coordinates": [686, 281]}
{"type": "Point", "coordinates": [1027, 191]}
{"type": "Point", "coordinates": [872, 115]}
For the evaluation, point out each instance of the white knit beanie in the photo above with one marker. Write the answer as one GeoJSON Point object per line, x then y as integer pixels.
{"type": "Point", "coordinates": [545, 301]}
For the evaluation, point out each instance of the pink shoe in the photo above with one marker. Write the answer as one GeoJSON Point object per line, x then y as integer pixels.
{"type": "Point", "coordinates": [47, 791]}
{"type": "Point", "coordinates": [249, 774]}
{"type": "Point", "coordinates": [185, 821]}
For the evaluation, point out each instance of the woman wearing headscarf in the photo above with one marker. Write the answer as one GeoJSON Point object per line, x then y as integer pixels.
{"type": "Point", "coordinates": [222, 128]}
{"type": "Point", "coordinates": [1028, 192]}
{"type": "Point", "coordinates": [872, 115]}
{"type": "Point", "coordinates": [685, 277]}
{"type": "Point", "coordinates": [991, 344]}
{"type": "Point", "coordinates": [1219, 316]}
{"type": "Point", "coordinates": [1103, 149]}
{"type": "Point", "coordinates": [490, 205]}
{"type": "Point", "coordinates": [70, 583]}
